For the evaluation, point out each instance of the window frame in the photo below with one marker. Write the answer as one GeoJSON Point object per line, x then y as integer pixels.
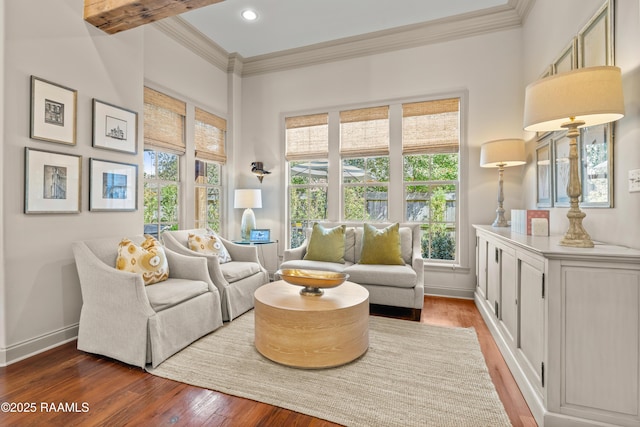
{"type": "Point", "coordinates": [396, 194]}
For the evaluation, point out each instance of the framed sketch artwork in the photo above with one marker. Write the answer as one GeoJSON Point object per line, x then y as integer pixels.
{"type": "Point", "coordinates": [53, 112]}
{"type": "Point", "coordinates": [113, 186]}
{"type": "Point", "coordinates": [596, 163]}
{"type": "Point", "coordinates": [561, 172]}
{"type": "Point", "coordinates": [544, 173]}
{"type": "Point", "coordinates": [52, 182]}
{"type": "Point", "coordinates": [114, 128]}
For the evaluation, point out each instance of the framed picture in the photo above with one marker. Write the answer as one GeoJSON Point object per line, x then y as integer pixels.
{"type": "Point", "coordinates": [544, 173]}
{"type": "Point", "coordinates": [53, 112]}
{"type": "Point", "coordinates": [260, 235]}
{"type": "Point", "coordinates": [595, 40]}
{"type": "Point", "coordinates": [596, 163]}
{"type": "Point", "coordinates": [113, 186]}
{"type": "Point", "coordinates": [567, 60]}
{"type": "Point", "coordinates": [561, 173]}
{"type": "Point", "coordinates": [52, 182]}
{"type": "Point", "coordinates": [114, 128]}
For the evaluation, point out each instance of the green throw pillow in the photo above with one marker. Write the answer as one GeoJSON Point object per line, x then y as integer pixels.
{"type": "Point", "coordinates": [326, 244]}
{"type": "Point", "coordinates": [381, 246]}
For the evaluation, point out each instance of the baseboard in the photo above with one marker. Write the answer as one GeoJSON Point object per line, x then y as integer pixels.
{"type": "Point", "coordinates": [31, 347]}
{"type": "Point", "coordinates": [448, 292]}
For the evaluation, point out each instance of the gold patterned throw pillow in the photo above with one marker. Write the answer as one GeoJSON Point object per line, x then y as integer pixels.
{"type": "Point", "coordinates": [209, 244]}
{"type": "Point", "coordinates": [147, 259]}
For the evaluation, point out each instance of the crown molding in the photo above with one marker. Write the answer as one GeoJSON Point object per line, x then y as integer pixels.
{"type": "Point", "coordinates": [190, 37]}
{"type": "Point", "coordinates": [510, 15]}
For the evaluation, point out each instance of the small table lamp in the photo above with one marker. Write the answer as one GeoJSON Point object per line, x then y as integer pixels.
{"type": "Point", "coordinates": [247, 199]}
{"type": "Point", "coordinates": [500, 154]}
{"type": "Point", "coordinates": [571, 100]}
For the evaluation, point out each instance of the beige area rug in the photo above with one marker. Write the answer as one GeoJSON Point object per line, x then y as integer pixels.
{"type": "Point", "coordinates": [412, 375]}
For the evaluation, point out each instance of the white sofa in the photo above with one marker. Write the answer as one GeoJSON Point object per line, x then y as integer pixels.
{"type": "Point", "coordinates": [388, 285]}
{"type": "Point", "coordinates": [236, 280]}
{"type": "Point", "coordinates": [123, 319]}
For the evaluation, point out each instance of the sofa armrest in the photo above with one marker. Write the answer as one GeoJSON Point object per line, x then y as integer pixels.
{"type": "Point", "coordinates": [238, 252]}
{"type": "Point", "coordinates": [295, 253]}
{"type": "Point", "coordinates": [107, 287]}
{"type": "Point", "coordinates": [189, 267]}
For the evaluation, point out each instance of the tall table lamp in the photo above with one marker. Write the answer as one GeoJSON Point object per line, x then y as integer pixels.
{"type": "Point", "coordinates": [249, 200]}
{"type": "Point", "coordinates": [502, 153]}
{"type": "Point", "coordinates": [583, 97]}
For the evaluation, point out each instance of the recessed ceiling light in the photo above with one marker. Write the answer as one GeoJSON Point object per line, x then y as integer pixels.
{"type": "Point", "coordinates": [249, 15]}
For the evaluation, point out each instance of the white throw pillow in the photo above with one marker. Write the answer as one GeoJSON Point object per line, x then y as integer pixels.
{"type": "Point", "coordinates": [209, 244]}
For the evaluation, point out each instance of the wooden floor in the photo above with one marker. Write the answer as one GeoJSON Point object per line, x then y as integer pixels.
{"type": "Point", "coordinates": [66, 387]}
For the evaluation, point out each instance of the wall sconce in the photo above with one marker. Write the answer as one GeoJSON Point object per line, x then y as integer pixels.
{"type": "Point", "coordinates": [258, 169]}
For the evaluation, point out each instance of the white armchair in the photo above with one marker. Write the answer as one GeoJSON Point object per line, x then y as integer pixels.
{"type": "Point", "coordinates": [236, 280]}
{"type": "Point", "coordinates": [123, 319]}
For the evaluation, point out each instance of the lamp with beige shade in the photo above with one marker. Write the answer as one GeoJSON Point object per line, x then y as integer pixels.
{"type": "Point", "coordinates": [571, 100]}
{"type": "Point", "coordinates": [500, 154]}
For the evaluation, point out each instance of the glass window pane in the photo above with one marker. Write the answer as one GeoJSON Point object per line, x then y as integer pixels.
{"type": "Point", "coordinates": [201, 206]}
{"type": "Point", "coordinates": [167, 166]}
{"type": "Point", "coordinates": [443, 203]}
{"type": "Point", "coordinates": [445, 167]}
{"type": "Point", "coordinates": [353, 170]}
{"type": "Point", "coordinates": [378, 169]}
{"type": "Point", "coordinates": [213, 205]}
{"type": "Point", "coordinates": [169, 203]}
{"type": "Point", "coordinates": [417, 168]}
{"type": "Point", "coordinates": [377, 203]}
{"type": "Point", "coordinates": [354, 203]}
{"type": "Point", "coordinates": [298, 173]}
{"type": "Point", "coordinates": [213, 174]}
{"type": "Point", "coordinates": [298, 203]}
{"type": "Point", "coordinates": [150, 203]}
{"type": "Point", "coordinates": [297, 232]}
{"type": "Point", "coordinates": [417, 201]}
{"type": "Point", "coordinates": [149, 164]}
{"type": "Point", "coordinates": [201, 170]}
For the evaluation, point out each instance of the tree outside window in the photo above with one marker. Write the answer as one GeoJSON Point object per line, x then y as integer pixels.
{"type": "Point", "coordinates": [208, 195]}
{"type": "Point", "coordinates": [161, 191]}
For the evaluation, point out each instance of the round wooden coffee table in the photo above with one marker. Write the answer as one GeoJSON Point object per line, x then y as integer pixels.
{"type": "Point", "coordinates": [311, 331]}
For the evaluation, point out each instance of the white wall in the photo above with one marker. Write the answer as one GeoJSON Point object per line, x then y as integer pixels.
{"type": "Point", "coordinates": [548, 30]}
{"type": "Point", "coordinates": [41, 301]}
{"type": "Point", "coordinates": [49, 39]}
{"type": "Point", "coordinates": [487, 66]}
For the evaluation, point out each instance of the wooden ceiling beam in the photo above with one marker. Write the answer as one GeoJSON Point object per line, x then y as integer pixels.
{"type": "Point", "coordinates": [113, 16]}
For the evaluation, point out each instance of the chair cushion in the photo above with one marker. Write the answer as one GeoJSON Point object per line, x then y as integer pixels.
{"type": "Point", "coordinates": [326, 244]}
{"type": "Point", "coordinates": [314, 265]}
{"type": "Point", "coordinates": [238, 270]}
{"type": "Point", "coordinates": [381, 246]}
{"type": "Point", "coordinates": [399, 276]}
{"type": "Point", "coordinates": [208, 244]}
{"type": "Point", "coordinates": [147, 259]}
{"type": "Point", "coordinates": [174, 291]}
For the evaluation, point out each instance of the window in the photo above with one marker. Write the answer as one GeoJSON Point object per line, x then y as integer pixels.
{"type": "Point", "coordinates": [365, 132]}
{"type": "Point", "coordinates": [161, 191]}
{"type": "Point", "coordinates": [399, 162]}
{"type": "Point", "coordinates": [164, 141]}
{"type": "Point", "coordinates": [430, 146]}
{"type": "Point", "coordinates": [306, 150]}
{"type": "Point", "coordinates": [210, 132]}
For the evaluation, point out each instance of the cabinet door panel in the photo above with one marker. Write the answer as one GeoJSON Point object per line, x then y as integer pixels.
{"type": "Point", "coordinates": [509, 307]}
{"type": "Point", "coordinates": [532, 318]}
{"type": "Point", "coordinates": [493, 276]}
{"type": "Point", "coordinates": [482, 267]}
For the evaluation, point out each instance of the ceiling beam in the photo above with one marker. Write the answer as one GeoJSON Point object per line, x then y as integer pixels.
{"type": "Point", "coordinates": [113, 16]}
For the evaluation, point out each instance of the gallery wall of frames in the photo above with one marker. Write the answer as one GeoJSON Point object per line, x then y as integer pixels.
{"type": "Point", "coordinates": [592, 46]}
{"type": "Point", "coordinates": [53, 180]}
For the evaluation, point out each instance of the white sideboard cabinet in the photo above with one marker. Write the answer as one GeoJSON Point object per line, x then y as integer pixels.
{"type": "Point", "coordinates": [567, 322]}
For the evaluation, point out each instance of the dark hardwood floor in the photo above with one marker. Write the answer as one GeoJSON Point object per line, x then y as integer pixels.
{"type": "Point", "coordinates": [66, 387]}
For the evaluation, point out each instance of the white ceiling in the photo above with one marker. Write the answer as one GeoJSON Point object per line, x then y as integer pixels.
{"type": "Point", "coordinates": [289, 24]}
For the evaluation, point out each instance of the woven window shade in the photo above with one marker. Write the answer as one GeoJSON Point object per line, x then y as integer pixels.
{"type": "Point", "coordinates": [365, 132]}
{"type": "Point", "coordinates": [431, 127]}
{"type": "Point", "coordinates": [307, 137]}
{"type": "Point", "coordinates": [164, 121]}
{"type": "Point", "coordinates": [210, 134]}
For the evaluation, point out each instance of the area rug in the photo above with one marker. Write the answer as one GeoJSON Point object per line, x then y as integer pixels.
{"type": "Point", "coordinates": [412, 375]}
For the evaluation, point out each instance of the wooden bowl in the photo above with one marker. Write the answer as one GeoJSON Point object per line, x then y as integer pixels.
{"type": "Point", "coordinates": [312, 281]}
